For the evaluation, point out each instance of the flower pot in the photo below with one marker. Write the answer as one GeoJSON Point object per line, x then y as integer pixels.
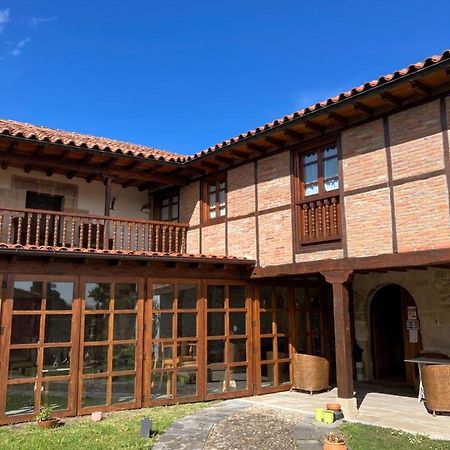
{"type": "Point", "coordinates": [336, 407]}
{"type": "Point", "coordinates": [333, 446]}
{"type": "Point", "coordinates": [318, 414]}
{"type": "Point", "coordinates": [328, 416]}
{"type": "Point", "coordinates": [50, 423]}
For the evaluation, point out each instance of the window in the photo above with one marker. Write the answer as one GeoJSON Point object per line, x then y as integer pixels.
{"type": "Point", "coordinates": [167, 207]}
{"type": "Point", "coordinates": [215, 199]}
{"type": "Point", "coordinates": [317, 207]}
{"type": "Point", "coordinates": [320, 171]}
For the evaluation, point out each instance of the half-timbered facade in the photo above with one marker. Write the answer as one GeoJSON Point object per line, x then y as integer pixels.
{"type": "Point", "coordinates": [133, 276]}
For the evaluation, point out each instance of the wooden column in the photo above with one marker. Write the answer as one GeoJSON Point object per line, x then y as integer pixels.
{"type": "Point", "coordinates": [343, 342]}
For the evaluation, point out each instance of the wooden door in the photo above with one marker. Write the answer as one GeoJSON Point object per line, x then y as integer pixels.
{"type": "Point", "coordinates": [39, 347]}
{"type": "Point", "coordinates": [274, 312]}
{"type": "Point", "coordinates": [229, 368]}
{"type": "Point", "coordinates": [111, 344]}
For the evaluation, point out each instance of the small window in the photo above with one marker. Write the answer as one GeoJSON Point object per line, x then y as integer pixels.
{"type": "Point", "coordinates": [215, 199]}
{"type": "Point", "coordinates": [167, 207]}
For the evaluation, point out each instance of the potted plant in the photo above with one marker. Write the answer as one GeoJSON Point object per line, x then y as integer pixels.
{"type": "Point", "coordinates": [334, 441]}
{"type": "Point", "coordinates": [45, 418]}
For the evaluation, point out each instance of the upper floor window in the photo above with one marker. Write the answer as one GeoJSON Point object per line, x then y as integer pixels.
{"type": "Point", "coordinates": [167, 207]}
{"type": "Point", "coordinates": [320, 171]}
{"type": "Point", "coordinates": [215, 198]}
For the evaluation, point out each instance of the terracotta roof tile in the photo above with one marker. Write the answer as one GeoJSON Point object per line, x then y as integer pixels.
{"type": "Point", "coordinates": [330, 101]}
{"type": "Point", "coordinates": [25, 130]}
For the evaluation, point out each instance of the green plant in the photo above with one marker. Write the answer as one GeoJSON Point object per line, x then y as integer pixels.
{"type": "Point", "coordinates": [334, 438]}
{"type": "Point", "coordinates": [46, 413]}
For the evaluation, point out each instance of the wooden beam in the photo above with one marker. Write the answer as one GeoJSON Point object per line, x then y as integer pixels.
{"type": "Point", "coordinates": [315, 127]}
{"type": "Point", "coordinates": [196, 169]}
{"type": "Point", "coordinates": [338, 118]}
{"type": "Point", "coordinates": [293, 134]}
{"type": "Point", "coordinates": [83, 169]}
{"type": "Point", "coordinates": [274, 141]}
{"type": "Point", "coordinates": [39, 151]}
{"type": "Point", "coordinates": [210, 165]}
{"type": "Point", "coordinates": [257, 148]}
{"type": "Point", "coordinates": [225, 160]}
{"type": "Point", "coordinates": [240, 154]}
{"type": "Point", "coordinates": [110, 163]}
{"type": "Point", "coordinates": [422, 87]}
{"type": "Point", "coordinates": [87, 158]}
{"type": "Point", "coordinates": [363, 108]}
{"type": "Point", "coordinates": [391, 99]}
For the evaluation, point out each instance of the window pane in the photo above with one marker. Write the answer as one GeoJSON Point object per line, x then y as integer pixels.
{"type": "Point", "coordinates": [187, 325]}
{"type": "Point", "coordinates": [267, 375]}
{"type": "Point", "coordinates": [162, 325]}
{"type": "Point", "coordinates": [174, 212]}
{"type": "Point", "coordinates": [216, 381]}
{"type": "Point", "coordinates": [162, 356]}
{"type": "Point", "coordinates": [311, 189]}
{"type": "Point", "coordinates": [96, 327]}
{"type": "Point", "coordinates": [331, 184]}
{"type": "Point", "coordinates": [221, 198]}
{"type": "Point", "coordinates": [186, 383]}
{"type": "Point", "coordinates": [329, 152]}
{"type": "Point", "coordinates": [310, 157]}
{"type": "Point", "coordinates": [237, 323]}
{"type": "Point", "coordinates": [124, 326]}
{"type": "Point", "coordinates": [162, 383]}
{"type": "Point", "coordinates": [212, 188]}
{"type": "Point", "coordinates": [283, 347]}
{"type": "Point", "coordinates": [163, 296]}
{"type": "Point", "coordinates": [238, 378]}
{"type": "Point", "coordinates": [222, 185]}
{"type": "Point", "coordinates": [55, 394]}
{"type": "Point", "coordinates": [186, 354]}
{"type": "Point", "coordinates": [237, 297]}
{"type": "Point", "coordinates": [27, 295]}
{"type": "Point", "coordinates": [165, 213]}
{"type": "Point", "coordinates": [123, 389]}
{"type": "Point", "coordinates": [175, 199]}
{"type": "Point", "coordinates": [97, 295]}
{"type": "Point", "coordinates": [216, 352]}
{"type": "Point", "coordinates": [187, 296]}
{"type": "Point", "coordinates": [216, 296]}
{"type": "Point", "coordinates": [125, 296]}
{"type": "Point", "coordinates": [22, 363]}
{"type": "Point", "coordinates": [56, 361]}
{"type": "Point", "coordinates": [266, 322]}
{"type": "Point", "coordinates": [283, 373]}
{"type": "Point", "coordinates": [20, 399]}
{"type": "Point", "coordinates": [265, 297]}
{"type": "Point", "coordinates": [212, 200]}
{"type": "Point", "coordinates": [267, 352]}
{"type": "Point", "coordinates": [124, 357]}
{"type": "Point", "coordinates": [165, 201]}
{"type": "Point", "coordinates": [281, 297]}
{"type": "Point", "coordinates": [59, 295]}
{"type": "Point", "coordinates": [237, 350]}
{"type": "Point", "coordinates": [58, 328]}
{"type": "Point", "coordinates": [222, 211]}
{"type": "Point", "coordinates": [282, 322]}
{"type": "Point", "coordinates": [311, 173]}
{"type": "Point", "coordinates": [216, 324]}
{"type": "Point", "coordinates": [25, 329]}
{"type": "Point", "coordinates": [330, 167]}
{"type": "Point", "coordinates": [94, 392]}
{"type": "Point", "coordinates": [95, 359]}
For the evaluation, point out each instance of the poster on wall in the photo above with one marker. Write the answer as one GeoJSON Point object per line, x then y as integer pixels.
{"type": "Point", "coordinates": [413, 336]}
{"type": "Point", "coordinates": [412, 313]}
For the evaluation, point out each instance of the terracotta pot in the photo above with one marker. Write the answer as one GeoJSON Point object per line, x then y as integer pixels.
{"type": "Point", "coordinates": [50, 423]}
{"type": "Point", "coordinates": [332, 446]}
{"type": "Point", "coordinates": [336, 407]}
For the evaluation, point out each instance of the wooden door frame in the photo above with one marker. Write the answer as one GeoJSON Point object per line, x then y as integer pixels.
{"type": "Point", "coordinates": [148, 341]}
{"type": "Point", "coordinates": [139, 311]}
{"type": "Point", "coordinates": [6, 321]}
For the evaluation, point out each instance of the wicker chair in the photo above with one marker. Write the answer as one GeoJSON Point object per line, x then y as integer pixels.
{"type": "Point", "coordinates": [311, 373]}
{"type": "Point", "coordinates": [436, 385]}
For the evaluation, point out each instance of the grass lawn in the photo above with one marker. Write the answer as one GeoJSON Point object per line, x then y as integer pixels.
{"type": "Point", "coordinates": [120, 430]}
{"type": "Point", "coordinates": [365, 437]}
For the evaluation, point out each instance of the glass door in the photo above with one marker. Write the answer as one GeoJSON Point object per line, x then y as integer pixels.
{"type": "Point", "coordinates": [39, 347]}
{"type": "Point", "coordinates": [111, 337]}
{"type": "Point", "coordinates": [273, 338]}
{"type": "Point", "coordinates": [228, 343]}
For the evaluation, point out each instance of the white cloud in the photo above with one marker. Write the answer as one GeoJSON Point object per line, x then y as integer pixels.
{"type": "Point", "coordinates": [34, 22]}
{"type": "Point", "coordinates": [17, 50]}
{"type": "Point", "coordinates": [4, 18]}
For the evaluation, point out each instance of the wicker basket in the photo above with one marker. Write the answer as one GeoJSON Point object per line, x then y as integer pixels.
{"type": "Point", "coordinates": [436, 385]}
{"type": "Point", "coordinates": [311, 373]}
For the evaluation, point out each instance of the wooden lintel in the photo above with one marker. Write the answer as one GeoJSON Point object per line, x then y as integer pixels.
{"type": "Point", "coordinates": [363, 108]}
{"type": "Point", "coordinates": [315, 127]}
{"type": "Point", "coordinates": [420, 86]}
{"type": "Point", "coordinates": [293, 134]}
{"type": "Point", "coordinates": [338, 118]}
{"type": "Point", "coordinates": [274, 141]}
{"type": "Point", "coordinates": [391, 99]}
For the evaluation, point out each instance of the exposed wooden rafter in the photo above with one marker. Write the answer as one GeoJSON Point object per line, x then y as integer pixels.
{"type": "Point", "coordinates": [274, 141]}
{"type": "Point", "coordinates": [257, 148]}
{"type": "Point", "coordinates": [338, 118]}
{"type": "Point", "coordinates": [391, 99]}
{"type": "Point", "coordinates": [363, 108]}
{"type": "Point", "coordinates": [293, 134]}
{"type": "Point", "coordinates": [240, 154]}
{"type": "Point", "coordinates": [421, 86]}
{"type": "Point", "coordinates": [315, 127]}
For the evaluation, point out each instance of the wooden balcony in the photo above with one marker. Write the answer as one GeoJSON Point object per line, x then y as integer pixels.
{"type": "Point", "coordinates": [29, 229]}
{"type": "Point", "coordinates": [319, 220]}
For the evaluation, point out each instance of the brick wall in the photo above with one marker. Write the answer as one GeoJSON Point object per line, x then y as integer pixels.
{"type": "Point", "coordinates": [213, 240]}
{"type": "Point", "coordinates": [189, 203]}
{"type": "Point", "coordinates": [241, 190]}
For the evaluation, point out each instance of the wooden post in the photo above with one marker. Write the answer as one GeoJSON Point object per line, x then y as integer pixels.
{"type": "Point", "coordinates": [343, 342]}
{"type": "Point", "coordinates": [108, 196]}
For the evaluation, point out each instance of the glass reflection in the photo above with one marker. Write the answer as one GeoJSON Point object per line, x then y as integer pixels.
{"type": "Point", "coordinates": [265, 297]}
{"type": "Point", "coordinates": [123, 389]}
{"type": "Point", "coordinates": [267, 348]}
{"type": "Point", "coordinates": [267, 375]}
{"type": "Point", "coordinates": [25, 329]}
{"type": "Point", "coordinates": [187, 296]}
{"type": "Point", "coordinates": [96, 327]}
{"type": "Point", "coordinates": [216, 351]}
{"type": "Point", "coordinates": [56, 361]}
{"type": "Point", "coordinates": [281, 297]}
{"type": "Point", "coordinates": [55, 394]}
{"type": "Point", "coordinates": [237, 350]}
{"type": "Point", "coordinates": [237, 296]}
{"type": "Point", "coordinates": [27, 295]}
{"type": "Point", "coordinates": [58, 328]}
{"type": "Point", "coordinates": [266, 323]}
{"type": "Point", "coordinates": [238, 323]}
{"type": "Point", "coordinates": [124, 357]}
{"type": "Point", "coordinates": [20, 399]}
{"type": "Point", "coordinates": [124, 326]}
{"type": "Point", "coordinates": [186, 383]}
{"type": "Point", "coordinates": [162, 385]}
{"type": "Point", "coordinates": [187, 324]}
{"type": "Point", "coordinates": [216, 324]}
{"type": "Point", "coordinates": [94, 392]}
{"type": "Point", "coordinates": [186, 354]}
{"type": "Point", "coordinates": [163, 296]}
{"type": "Point", "coordinates": [216, 296]}
{"type": "Point", "coordinates": [95, 359]}
{"type": "Point", "coordinates": [162, 355]}
{"type": "Point", "coordinates": [162, 325]}
{"type": "Point", "coordinates": [59, 295]}
{"type": "Point", "coordinates": [125, 296]}
{"type": "Point", "coordinates": [216, 381]}
{"type": "Point", "coordinates": [238, 378]}
{"type": "Point", "coordinates": [22, 363]}
{"type": "Point", "coordinates": [97, 295]}
{"type": "Point", "coordinates": [283, 373]}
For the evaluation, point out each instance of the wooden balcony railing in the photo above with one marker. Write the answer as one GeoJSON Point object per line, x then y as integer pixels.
{"type": "Point", "coordinates": [319, 220]}
{"type": "Point", "coordinates": [49, 230]}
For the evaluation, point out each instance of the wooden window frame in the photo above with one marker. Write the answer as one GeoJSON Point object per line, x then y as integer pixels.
{"type": "Point", "coordinates": [323, 224]}
{"type": "Point", "coordinates": [158, 205]}
{"type": "Point", "coordinates": [205, 211]}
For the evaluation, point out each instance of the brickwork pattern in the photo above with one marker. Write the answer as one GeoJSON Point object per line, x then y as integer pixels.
{"type": "Point", "coordinates": [213, 240]}
{"type": "Point", "coordinates": [190, 203]}
{"type": "Point", "coordinates": [242, 237]}
{"type": "Point", "coordinates": [241, 190]}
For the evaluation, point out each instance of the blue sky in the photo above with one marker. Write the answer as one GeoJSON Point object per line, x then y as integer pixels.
{"type": "Point", "coordinates": [184, 75]}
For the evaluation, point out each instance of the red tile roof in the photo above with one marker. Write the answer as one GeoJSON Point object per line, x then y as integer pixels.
{"type": "Point", "coordinates": [25, 130]}
{"type": "Point", "coordinates": [9, 127]}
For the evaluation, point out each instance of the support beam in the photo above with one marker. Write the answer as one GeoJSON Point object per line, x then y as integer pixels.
{"type": "Point", "coordinates": [422, 87]}
{"type": "Point", "coordinates": [257, 148]}
{"type": "Point", "coordinates": [274, 141]}
{"type": "Point", "coordinates": [314, 127]}
{"type": "Point", "coordinates": [338, 118]}
{"type": "Point", "coordinates": [225, 160]}
{"type": "Point", "coordinates": [239, 154]}
{"type": "Point", "coordinates": [343, 342]}
{"type": "Point", "coordinates": [363, 108]}
{"type": "Point", "coordinates": [293, 134]}
{"type": "Point", "coordinates": [391, 99]}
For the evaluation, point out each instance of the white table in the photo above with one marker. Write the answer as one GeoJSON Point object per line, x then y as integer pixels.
{"type": "Point", "coordinates": [421, 361]}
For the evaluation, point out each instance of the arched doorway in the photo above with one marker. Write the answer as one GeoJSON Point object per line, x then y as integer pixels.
{"type": "Point", "coordinates": [395, 334]}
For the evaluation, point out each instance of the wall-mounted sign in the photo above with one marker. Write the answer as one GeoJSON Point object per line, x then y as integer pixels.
{"type": "Point", "coordinates": [412, 313]}
{"type": "Point", "coordinates": [412, 324]}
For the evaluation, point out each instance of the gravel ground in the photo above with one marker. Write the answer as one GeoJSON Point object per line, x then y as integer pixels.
{"type": "Point", "coordinates": [254, 428]}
